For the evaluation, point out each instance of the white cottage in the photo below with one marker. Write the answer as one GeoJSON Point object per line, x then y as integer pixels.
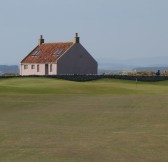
{"type": "Point", "coordinates": [58, 58]}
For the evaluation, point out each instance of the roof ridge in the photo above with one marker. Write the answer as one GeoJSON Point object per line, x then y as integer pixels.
{"type": "Point", "coordinates": [56, 42]}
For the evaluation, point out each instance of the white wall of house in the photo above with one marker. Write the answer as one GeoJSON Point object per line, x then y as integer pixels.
{"type": "Point", "coordinates": [52, 69]}
{"type": "Point", "coordinates": [77, 61]}
{"type": "Point", "coordinates": [32, 69]}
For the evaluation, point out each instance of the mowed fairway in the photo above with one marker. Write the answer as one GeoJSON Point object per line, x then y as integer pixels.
{"type": "Point", "coordinates": [43, 120]}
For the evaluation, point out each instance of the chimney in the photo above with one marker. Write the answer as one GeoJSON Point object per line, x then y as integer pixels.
{"type": "Point", "coordinates": [76, 38]}
{"type": "Point", "coordinates": [41, 40]}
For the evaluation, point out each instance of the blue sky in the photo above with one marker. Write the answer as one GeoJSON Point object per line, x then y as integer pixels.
{"type": "Point", "coordinates": [109, 29]}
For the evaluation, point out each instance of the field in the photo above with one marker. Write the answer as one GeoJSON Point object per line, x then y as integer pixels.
{"type": "Point", "coordinates": [50, 120]}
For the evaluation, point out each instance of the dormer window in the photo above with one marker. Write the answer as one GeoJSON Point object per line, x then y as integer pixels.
{"type": "Point", "coordinates": [37, 52]}
{"type": "Point", "coordinates": [57, 52]}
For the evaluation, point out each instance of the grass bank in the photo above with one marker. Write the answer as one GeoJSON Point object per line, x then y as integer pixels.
{"type": "Point", "coordinates": [99, 121]}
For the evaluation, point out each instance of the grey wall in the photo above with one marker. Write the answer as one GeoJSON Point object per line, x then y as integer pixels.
{"type": "Point", "coordinates": [77, 61]}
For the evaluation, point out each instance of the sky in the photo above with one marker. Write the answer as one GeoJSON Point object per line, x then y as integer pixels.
{"type": "Point", "coordinates": [108, 29]}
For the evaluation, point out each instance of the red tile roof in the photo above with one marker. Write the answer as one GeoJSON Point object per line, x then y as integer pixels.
{"type": "Point", "coordinates": [45, 52]}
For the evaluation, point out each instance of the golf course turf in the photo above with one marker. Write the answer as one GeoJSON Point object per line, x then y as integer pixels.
{"type": "Point", "coordinates": [43, 120]}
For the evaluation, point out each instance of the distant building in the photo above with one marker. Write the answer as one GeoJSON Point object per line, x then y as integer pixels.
{"type": "Point", "coordinates": [58, 58]}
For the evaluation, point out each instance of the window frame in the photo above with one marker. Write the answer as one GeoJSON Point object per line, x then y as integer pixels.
{"type": "Point", "coordinates": [25, 67]}
{"type": "Point", "coordinates": [51, 67]}
{"type": "Point", "coordinates": [38, 68]}
{"type": "Point", "coordinates": [33, 67]}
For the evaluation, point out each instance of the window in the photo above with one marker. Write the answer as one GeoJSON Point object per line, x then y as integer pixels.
{"type": "Point", "coordinates": [50, 67]}
{"type": "Point", "coordinates": [38, 68]}
{"type": "Point", "coordinates": [33, 67]}
{"type": "Point", "coordinates": [58, 52]}
{"type": "Point", "coordinates": [37, 52]}
{"type": "Point", "coordinates": [25, 66]}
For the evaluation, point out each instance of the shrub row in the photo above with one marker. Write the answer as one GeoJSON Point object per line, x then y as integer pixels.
{"type": "Point", "coordinates": [82, 78]}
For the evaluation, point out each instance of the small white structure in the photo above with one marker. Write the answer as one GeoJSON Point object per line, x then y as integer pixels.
{"type": "Point", "coordinates": [58, 58]}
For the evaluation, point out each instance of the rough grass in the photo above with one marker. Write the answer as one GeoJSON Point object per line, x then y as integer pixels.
{"type": "Point", "coordinates": [100, 121]}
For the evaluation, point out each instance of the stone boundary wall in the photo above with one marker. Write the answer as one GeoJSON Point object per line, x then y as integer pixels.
{"type": "Point", "coordinates": [82, 78]}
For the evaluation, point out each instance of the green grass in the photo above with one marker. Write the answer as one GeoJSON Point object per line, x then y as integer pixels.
{"type": "Point", "coordinates": [99, 121]}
